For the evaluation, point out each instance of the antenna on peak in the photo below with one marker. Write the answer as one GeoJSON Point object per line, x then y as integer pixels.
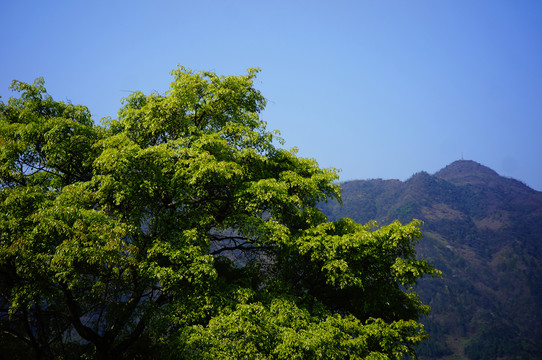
{"type": "Point", "coordinates": [462, 155]}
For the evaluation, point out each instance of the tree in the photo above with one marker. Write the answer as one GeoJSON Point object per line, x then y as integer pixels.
{"type": "Point", "coordinates": [180, 229]}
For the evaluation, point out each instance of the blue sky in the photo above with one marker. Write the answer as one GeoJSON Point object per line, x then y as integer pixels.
{"type": "Point", "coordinates": [379, 89]}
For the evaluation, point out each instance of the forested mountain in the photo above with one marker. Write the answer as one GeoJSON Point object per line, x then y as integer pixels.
{"type": "Point", "coordinates": [484, 231]}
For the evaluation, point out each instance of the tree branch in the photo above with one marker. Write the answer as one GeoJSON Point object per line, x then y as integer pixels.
{"type": "Point", "coordinates": [247, 245]}
{"type": "Point", "coordinates": [74, 314]}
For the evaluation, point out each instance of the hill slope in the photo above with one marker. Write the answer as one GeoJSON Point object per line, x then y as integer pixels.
{"type": "Point", "coordinates": [484, 231]}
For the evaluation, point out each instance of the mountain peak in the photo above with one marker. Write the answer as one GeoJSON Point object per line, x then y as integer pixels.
{"type": "Point", "coordinates": [462, 172]}
{"type": "Point", "coordinates": [468, 172]}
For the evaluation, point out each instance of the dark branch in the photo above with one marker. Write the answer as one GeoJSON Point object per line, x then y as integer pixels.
{"type": "Point", "coordinates": [245, 246]}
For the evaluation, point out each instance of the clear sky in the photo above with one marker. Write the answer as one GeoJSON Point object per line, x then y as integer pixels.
{"type": "Point", "coordinates": [379, 89]}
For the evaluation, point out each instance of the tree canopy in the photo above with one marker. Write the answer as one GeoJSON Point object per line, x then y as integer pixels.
{"type": "Point", "coordinates": [182, 229]}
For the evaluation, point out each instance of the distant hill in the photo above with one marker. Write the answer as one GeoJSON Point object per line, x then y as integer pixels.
{"type": "Point", "coordinates": [484, 231]}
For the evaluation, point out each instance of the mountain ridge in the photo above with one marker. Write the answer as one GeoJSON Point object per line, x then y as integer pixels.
{"type": "Point", "coordinates": [484, 231]}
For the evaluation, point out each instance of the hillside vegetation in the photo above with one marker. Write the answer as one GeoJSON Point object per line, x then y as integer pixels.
{"type": "Point", "coordinates": [484, 231]}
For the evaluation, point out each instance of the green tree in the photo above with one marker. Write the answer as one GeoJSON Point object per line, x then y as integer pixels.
{"type": "Point", "coordinates": [180, 229]}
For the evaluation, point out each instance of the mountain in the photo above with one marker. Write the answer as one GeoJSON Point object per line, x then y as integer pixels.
{"type": "Point", "coordinates": [484, 232]}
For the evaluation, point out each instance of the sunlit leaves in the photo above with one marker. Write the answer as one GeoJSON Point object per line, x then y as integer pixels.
{"type": "Point", "coordinates": [352, 255]}
{"type": "Point", "coordinates": [182, 223]}
{"type": "Point", "coordinates": [44, 142]}
{"type": "Point", "coordinates": [283, 330]}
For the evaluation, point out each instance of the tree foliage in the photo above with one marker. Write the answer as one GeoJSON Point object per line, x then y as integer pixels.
{"type": "Point", "coordinates": [180, 229]}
